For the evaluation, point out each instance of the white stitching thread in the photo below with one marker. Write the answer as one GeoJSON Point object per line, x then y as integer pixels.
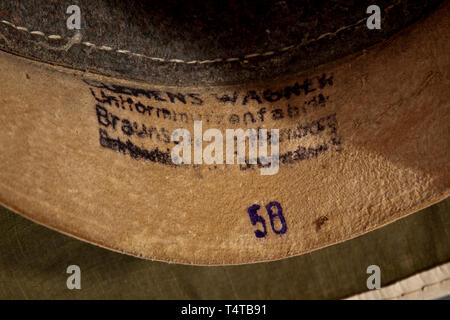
{"type": "Point", "coordinates": [245, 58]}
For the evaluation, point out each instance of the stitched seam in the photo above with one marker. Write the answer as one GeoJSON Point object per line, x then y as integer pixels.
{"type": "Point", "coordinates": [173, 60]}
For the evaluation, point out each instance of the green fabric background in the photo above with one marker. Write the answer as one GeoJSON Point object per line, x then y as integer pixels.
{"type": "Point", "coordinates": [203, 30]}
{"type": "Point", "coordinates": [33, 262]}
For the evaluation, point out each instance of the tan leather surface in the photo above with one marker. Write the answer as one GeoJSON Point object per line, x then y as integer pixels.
{"type": "Point", "coordinates": [172, 42]}
{"type": "Point", "coordinates": [372, 145]}
{"type": "Point", "coordinates": [34, 259]}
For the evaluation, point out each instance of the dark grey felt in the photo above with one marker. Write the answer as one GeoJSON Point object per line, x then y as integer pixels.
{"type": "Point", "coordinates": [202, 30]}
